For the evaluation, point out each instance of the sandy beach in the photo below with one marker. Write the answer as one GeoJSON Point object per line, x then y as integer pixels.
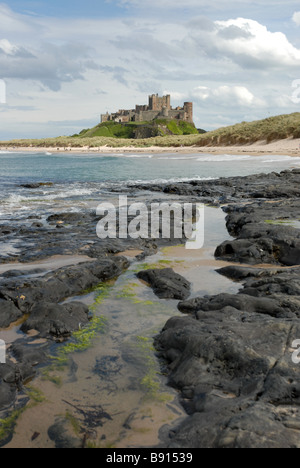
{"type": "Point", "coordinates": [289, 147]}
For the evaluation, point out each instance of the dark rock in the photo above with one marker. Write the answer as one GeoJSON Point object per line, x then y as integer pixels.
{"type": "Point", "coordinates": [231, 358]}
{"type": "Point", "coordinates": [263, 233]}
{"type": "Point", "coordinates": [15, 273]}
{"type": "Point", "coordinates": [9, 313]}
{"type": "Point", "coordinates": [62, 283]}
{"type": "Point", "coordinates": [7, 394]}
{"type": "Point", "coordinates": [241, 302]}
{"type": "Point", "coordinates": [30, 186]}
{"type": "Point", "coordinates": [166, 284]}
{"type": "Point", "coordinates": [68, 218]}
{"type": "Point", "coordinates": [57, 320]}
{"type": "Point", "coordinates": [37, 185]}
{"type": "Point", "coordinates": [28, 352]}
{"type": "Point", "coordinates": [61, 434]}
{"type": "Point", "coordinates": [238, 369]}
{"type": "Point", "coordinates": [12, 377]}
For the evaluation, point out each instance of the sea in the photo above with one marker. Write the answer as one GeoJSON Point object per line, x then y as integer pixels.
{"type": "Point", "coordinates": [76, 180]}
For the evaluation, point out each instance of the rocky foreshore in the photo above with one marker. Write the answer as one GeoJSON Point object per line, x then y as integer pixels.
{"type": "Point", "coordinates": [229, 355]}
{"type": "Point", "coordinates": [42, 299]}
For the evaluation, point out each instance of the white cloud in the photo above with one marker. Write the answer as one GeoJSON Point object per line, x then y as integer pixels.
{"type": "Point", "coordinates": [247, 43]}
{"type": "Point", "coordinates": [225, 96]}
{"type": "Point", "coordinates": [296, 18]}
{"type": "Point", "coordinates": [7, 47]}
{"type": "Point", "coordinates": [50, 64]}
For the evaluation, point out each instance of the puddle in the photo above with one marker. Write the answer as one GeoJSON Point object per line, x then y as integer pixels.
{"type": "Point", "coordinates": [51, 263]}
{"type": "Point", "coordinates": [12, 333]}
{"type": "Point", "coordinates": [9, 249]}
{"type": "Point", "coordinates": [105, 385]}
{"type": "Point", "coordinates": [118, 373]}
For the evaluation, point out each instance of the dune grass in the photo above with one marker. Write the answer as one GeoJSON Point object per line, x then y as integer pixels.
{"type": "Point", "coordinates": [268, 130]}
{"type": "Point", "coordinates": [245, 133]}
{"type": "Point", "coordinates": [95, 142]}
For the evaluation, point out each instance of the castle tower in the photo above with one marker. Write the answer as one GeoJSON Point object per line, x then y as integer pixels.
{"type": "Point", "coordinates": [166, 101]}
{"type": "Point", "coordinates": [156, 103]}
{"type": "Point", "coordinates": [165, 112]}
{"type": "Point", "coordinates": [153, 102]}
{"type": "Point", "coordinates": [188, 109]}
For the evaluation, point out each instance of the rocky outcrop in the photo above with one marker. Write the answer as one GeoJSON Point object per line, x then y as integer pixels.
{"type": "Point", "coordinates": [57, 320]}
{"type": "Point", "coordinates": [231, 354]}
{"type": "Point", "coordinates": [9, 313]}
{"type": "Point", "coordinates": [40, 298]}
{"type": "Point", "coordinates": [56, 286]}
{"type": "Point", "coordinates": [264, 233]}
{"type": "Point", "coordinates": [166, 284]}
{"type": "Point", "coordinates": [272, 186]}
{"type": "Point", "coordinates": [231, 358]}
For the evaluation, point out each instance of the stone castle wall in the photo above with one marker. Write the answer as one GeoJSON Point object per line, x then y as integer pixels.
{"type": "Point", "coordinates": [158, 107]}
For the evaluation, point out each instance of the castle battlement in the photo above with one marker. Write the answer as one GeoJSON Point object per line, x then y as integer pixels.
{"type": "Point", "coordinates": [158, 107]}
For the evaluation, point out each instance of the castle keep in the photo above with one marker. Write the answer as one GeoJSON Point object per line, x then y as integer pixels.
{"type": "Point", "coordinates": [158, 107]}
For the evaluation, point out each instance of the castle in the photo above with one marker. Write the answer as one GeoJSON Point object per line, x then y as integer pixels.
{"type": "Point", "coordinates": [158, 107]}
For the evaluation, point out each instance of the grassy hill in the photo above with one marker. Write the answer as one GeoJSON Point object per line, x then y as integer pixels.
{"type": "Point", "coordinates": [270, 129]}
{"type": "Point", "coordinates": [170, 134]}
{"type": "Point", "coordinates": [139, 130]}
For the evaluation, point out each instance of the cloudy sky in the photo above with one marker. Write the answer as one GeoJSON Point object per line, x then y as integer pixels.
{"type": "Point", "coordinates": [65, 62]}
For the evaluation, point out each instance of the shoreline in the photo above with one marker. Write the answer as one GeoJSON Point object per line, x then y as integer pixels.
{"type": "Point", "coordinates": [288, 147]}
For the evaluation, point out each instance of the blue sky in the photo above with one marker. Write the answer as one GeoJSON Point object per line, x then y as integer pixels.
{"type": "Point", "coordinates": [66, 62]}
{"type": "Point", "coordinates": [70, 8]}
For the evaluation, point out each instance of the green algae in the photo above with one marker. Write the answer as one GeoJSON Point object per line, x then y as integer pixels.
{"type": "Point", "coordinates": [150, 383]}
{"type": "Point", "coordinates": [159, 265]}
{"type": "Point", "coordinates": [81, 339]}
{"type": "Point", "coordinates": [73, 422]}
{"type": "Point", "coordinates": [129, 292]}
{"type": "Point", "coordinates": [101, 292]}
{"type": "Point", "coordinates": [7, 425]}
{"type": "Point", "coordinates": [35, 395]}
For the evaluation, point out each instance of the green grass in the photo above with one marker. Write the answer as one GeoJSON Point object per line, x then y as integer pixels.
{"type": "Point", "coordinates": [116, 135]}
{"type": "Point", "coordinates": [109, 129]}
{"type": "Point", "coordinates": [176, 127]}
{"type": "Point", "coordinates": [127, 130]}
